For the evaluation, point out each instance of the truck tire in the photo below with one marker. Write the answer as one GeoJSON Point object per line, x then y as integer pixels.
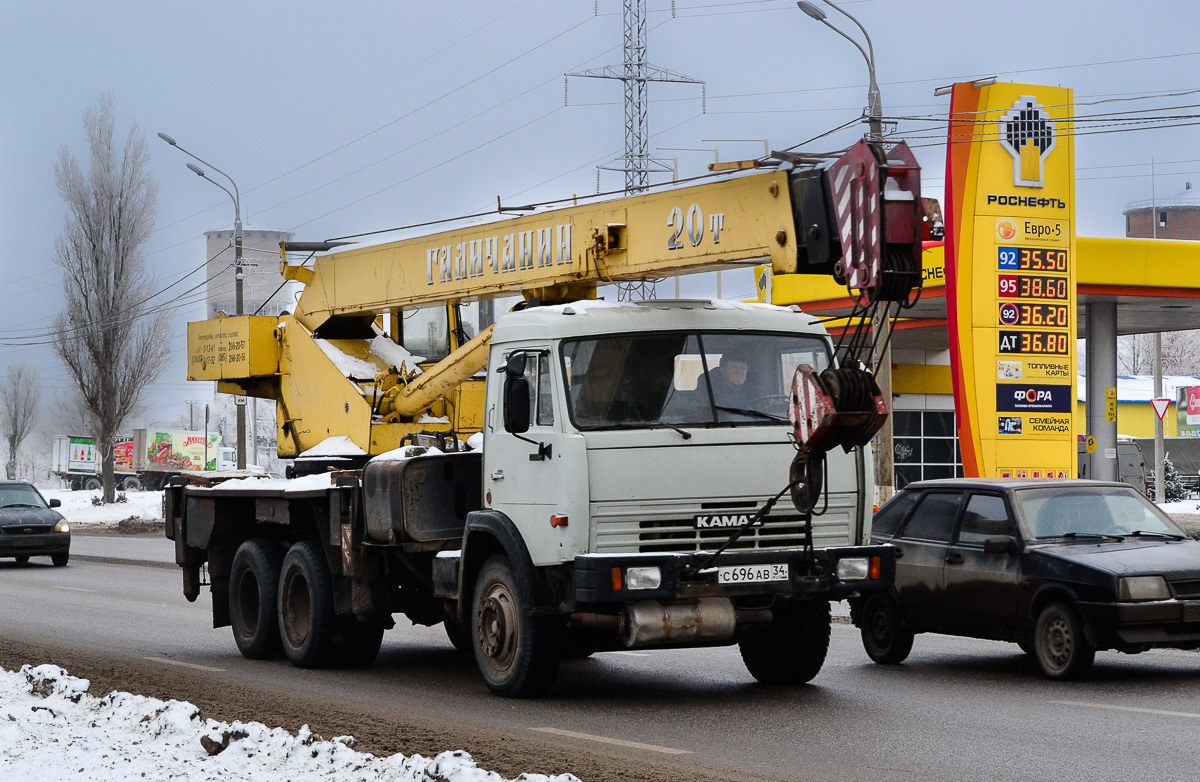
{"type": "Point", "coordinates": [884, 637]}
{"type": "Point", "coordinates": [1060, 645]}
{"type": "Point", "coordinates": [517, 653]}
{"type": "Point", "coordinates": [91, 484]}
{"type": "Point", "coordinates": [254, 598]}
{"type": "Point", "coordinates": [361, 640]}
{"type": "Point", "coordinates": [132, 483]}
{"type": "Point", "coordinates": [791, 650]}
{"type": "Point", "coordinates": [308, 625]}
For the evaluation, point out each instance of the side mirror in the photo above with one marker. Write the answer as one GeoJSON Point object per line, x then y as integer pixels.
{"type": "Point", "coordinates": [516, 403]}
{"type": "Point", "coordinates": [515, 365]}
{"type": "Point", "coordinates": [55, 503]}
{"type": "Point", "coordinates": [1001, 544]}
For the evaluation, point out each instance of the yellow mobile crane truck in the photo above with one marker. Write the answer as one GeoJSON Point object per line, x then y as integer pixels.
{"type": "Point", "coordinates": [626, 459]}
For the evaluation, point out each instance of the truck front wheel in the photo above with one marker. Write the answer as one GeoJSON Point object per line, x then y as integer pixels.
{"type": "Point", "coordinates": [253, 598]}
{"type": "Point", "coordinates": [517, 653]}
{"type": "Point", "coordinates": [307, 621]}
{"type": "Point", "coordinates": [791, 650]}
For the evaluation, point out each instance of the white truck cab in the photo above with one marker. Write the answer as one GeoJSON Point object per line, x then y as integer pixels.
{"type": "Point", "coordinates": [643, 449]}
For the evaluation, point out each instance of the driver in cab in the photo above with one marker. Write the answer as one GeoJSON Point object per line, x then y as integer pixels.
{"type": "Point", "coordinates": [729, 385]}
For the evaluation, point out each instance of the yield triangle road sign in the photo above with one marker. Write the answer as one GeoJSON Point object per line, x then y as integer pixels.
{"type": "Point", "coordinates": [1160, 406]}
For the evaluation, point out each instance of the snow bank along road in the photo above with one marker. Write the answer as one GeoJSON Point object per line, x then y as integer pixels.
{"type": "Point", "coordinates": [957, 709]}
{"type": "Point", "coordinates": [51, 727]}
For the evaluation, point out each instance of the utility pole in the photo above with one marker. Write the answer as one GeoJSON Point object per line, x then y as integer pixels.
{"type": "Point", "coordinates": [636, 74]}
{"type": "Point", "coordinates": [1160, 455]}
{"type": "Point", "coordinates": [191, 403]}
{"type": "Point", "coordinates": [239, 272]}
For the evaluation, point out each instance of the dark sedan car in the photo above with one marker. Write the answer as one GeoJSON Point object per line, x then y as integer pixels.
{"type": "Point", "coordinates": [30, 527]}
{"type": "Point", "coordinates": [1063, 568]}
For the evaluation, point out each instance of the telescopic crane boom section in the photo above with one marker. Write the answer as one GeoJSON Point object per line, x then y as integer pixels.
{"type": "Point", "coordinates": [334, 369]}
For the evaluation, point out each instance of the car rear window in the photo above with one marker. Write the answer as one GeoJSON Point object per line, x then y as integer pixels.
{"type": "Point", "coordinates": [933, 518]}
{"type": "Point", "coordinates": [888, 519]}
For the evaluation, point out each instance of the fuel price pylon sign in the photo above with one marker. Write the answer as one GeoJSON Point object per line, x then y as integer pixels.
{"type": "Point", "coordinates": [1010, 279]}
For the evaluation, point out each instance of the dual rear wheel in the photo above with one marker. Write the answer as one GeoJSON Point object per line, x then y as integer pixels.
{"type": "Point", "coordinates": [282, 603]}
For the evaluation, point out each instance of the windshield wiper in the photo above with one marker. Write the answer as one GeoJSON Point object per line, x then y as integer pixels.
{"type": "Point", "coordinates": [1145, 533]}
{"type": "Point", "coordinates": [748, 411]}
{"type": "Point", "coordinates": [20, 505]}
{"type": "Point", "coordinates": [1080, 535]}
{"type": "Point", "coordinates": [649, 425]}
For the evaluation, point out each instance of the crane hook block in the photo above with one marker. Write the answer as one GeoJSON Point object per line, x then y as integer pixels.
{"type": "Point", "coordinates": [835, 407]}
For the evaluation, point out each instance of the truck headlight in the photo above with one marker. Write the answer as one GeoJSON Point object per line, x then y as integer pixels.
{"type": "Point", "coordinates": [643, 578]}
{"type": "Point", "coordinates": [853, 569]}
{"type": "Point", "coordinates": [1143, 588]}
{"type": "Point", "coordinates": [62, 526]}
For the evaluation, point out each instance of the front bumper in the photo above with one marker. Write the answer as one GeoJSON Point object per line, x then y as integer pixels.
{"type": "Point", "coordinates": [34, 544]}
{"type": "Point", "coordinates": [815, 577]}
{"type": "Point", "coordinates": [1157, 623]}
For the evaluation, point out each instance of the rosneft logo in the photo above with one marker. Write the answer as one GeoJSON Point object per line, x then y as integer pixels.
{"type": "Point", "coordinates": [1027, 134]}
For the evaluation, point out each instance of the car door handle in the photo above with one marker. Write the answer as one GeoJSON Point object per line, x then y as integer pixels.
{"type": "Point", "coordinates": [498, 475]}
{"type": "Point", "coordinates": [954, 559]}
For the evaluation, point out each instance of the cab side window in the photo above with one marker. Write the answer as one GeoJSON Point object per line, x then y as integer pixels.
{"type": "Point", "coordinates": [888, 519]}
{"type": "Point", "coordinates": [545, 392]}
{"type": "Point", "coordinates": [541, 385]}
{"type": "Point", "coordinates": [933, 518]}
{"type": "Point", "coordinates": [986, 517]}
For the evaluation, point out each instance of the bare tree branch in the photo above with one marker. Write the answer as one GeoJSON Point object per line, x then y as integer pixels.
{"type": "Point", "coordinates": [111, 345]}
{"type": "Point", "coordinates": [20, 398]}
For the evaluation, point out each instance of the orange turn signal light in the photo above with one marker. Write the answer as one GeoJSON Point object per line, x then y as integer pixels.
{"type": "Point", "coordinates": [558, 521]}
{"type": "Point", "coordinates": [876, 569]}
{"type": "Point", "coordinates": [876, 508]}
{"type": "Point", "coordinates": [616, 579]}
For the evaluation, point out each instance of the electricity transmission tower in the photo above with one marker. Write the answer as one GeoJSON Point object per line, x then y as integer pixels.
{"type": "Point", "coordinates": [636, 74]}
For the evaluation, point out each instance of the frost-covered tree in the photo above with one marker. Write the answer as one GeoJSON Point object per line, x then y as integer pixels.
{"type": "Point", "coordinates": [1180, 351]}
{"type": "Point", "coordinates": [112, 345]}
{"type": "Point", "coordinates": [20, 398]}
{"type": "Point", "coordinates": [1173, 488]}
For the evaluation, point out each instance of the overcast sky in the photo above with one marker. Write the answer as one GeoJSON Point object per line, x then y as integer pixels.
{"type": "Point", "coordinates": [336, 119]}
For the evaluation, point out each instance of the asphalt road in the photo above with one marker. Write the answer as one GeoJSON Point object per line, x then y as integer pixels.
{"type": "Point", "coordinates": [958, 709]}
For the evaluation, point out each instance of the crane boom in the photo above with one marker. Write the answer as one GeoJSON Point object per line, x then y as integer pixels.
{"type": "Point", "coordinates": [332, 371]}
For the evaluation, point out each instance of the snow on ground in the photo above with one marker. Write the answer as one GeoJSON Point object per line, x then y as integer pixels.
{"type": "Point", "coordinates": [1180, 506]}
{"type": "Point", "coordinates": [77, 507]}
{"type": "Point", "coordinates": [52, 728]}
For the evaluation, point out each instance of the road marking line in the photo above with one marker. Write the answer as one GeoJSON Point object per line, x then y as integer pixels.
{"type": "Point", "coordinates": [1161, 712]}
{"type": "Point", "coordinates": [181, 664]}
{"type": "Point", "coordinates": [73, 589]}
{"type": "Point", "coordinates": [632, 654]}
{"type": "Point", "coordinates": [617, 742]}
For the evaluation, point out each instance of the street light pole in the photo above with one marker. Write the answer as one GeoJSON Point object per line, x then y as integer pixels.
{"type": "Point", "coordinates": [239, 269]}
{"type": "Point", "coordinates": [881, 326]}
{"type": "Point", "coordinates": [874, 102]}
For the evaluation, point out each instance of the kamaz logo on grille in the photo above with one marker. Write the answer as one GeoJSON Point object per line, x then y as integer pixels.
{"type": "Point", "coordinates": [722, 522]}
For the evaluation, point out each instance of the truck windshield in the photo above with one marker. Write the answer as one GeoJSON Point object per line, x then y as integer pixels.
{"type": "Point", "coordinates": [685, 378]}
